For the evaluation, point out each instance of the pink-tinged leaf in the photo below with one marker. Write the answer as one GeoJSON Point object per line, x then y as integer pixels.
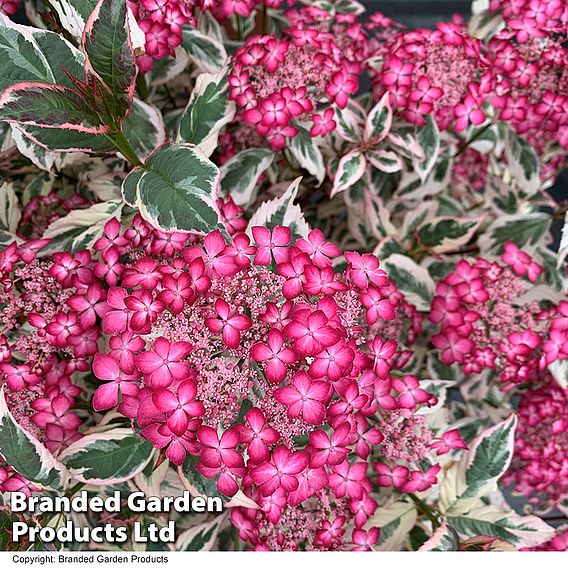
{"type": "Point", "coordinates": [349, 171]}
{"type": "Point", "coordinates": [379, 121]}
{"type": "Point", "coordinates": [49, 106]}
{"type": "Point", "coordinates": [57, 140]}
{"type": "Point", "coordinates": [110, 56]}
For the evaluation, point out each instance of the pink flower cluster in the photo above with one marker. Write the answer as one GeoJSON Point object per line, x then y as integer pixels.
{"type": "Point", "coordinates": [37, 365]}
{"type": "Point", "coordinates": [348, 33]}
{"type": "Point", "coordinates": [252, 358]}
{"type": "Point", "coordinates": [222, 9]}
{"type": "Point", "coordinates": [161, 21]}
{"type": "Point", "coordinates": [440, 72]}
{"type": "Point", "coordinates": [531, 85]}
{"type": "Point", "coordinates": [533, 18]}
{"type": "Point", "coordinates": [539, 469]}
{"type": "Point", "coordinates": [558, 544]}
{"type": "Point", "coordinates": [43, 210]}
{"type": "Point", "coordinates": [9, 7]}
{"type": "Point", "coordinates": [485, 326]}
{"type": "Point", "coordinates": [12, 481]}
{"type": "Point", "coordinates": [276, 82]}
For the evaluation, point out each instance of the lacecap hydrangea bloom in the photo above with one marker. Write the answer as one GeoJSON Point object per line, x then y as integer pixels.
{"type": "Point", "coordinates": [251, 357]}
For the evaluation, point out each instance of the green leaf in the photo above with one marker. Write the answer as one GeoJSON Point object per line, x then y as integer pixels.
{"type": "Point", "coordinates": [350, 169]}
{"type": "Point", "coordinates": [25, 454]}
{"type": "Point", "coordinates": [62, 140]}
{"type": "Point", "coordinates": [106, 458]}
{"type": "Point", "coordinates": [240, 175]}
{"type": "Point", "coordinates": [523, 163]}
{"type": "Point", "coordinates": [207, 54]}
{"type": "Point", "coordinates": [553, 274]}
{"type": "Point", "coordinates": [527, 231]}
{"type": "Point", "coordinates": [178, 190]}
{"type": "Point", "coordinates": [439, 370]}
{"type": "Point", "coordinates": [73, 14]}
{"type": "Point", "coordinates": [436, 182]}
{"type": "Point", "coordinates": [306, 151]}
{"type": "Point", "coordinates": [168, 68]}
{"type": "Point", "coordinates": [559, 370]}
{"type": "Point", "coordinates": [395, 519]}
{"type": "Point", "coordinates": [488, 520]}
{"type": "Point", "coordinates": [42, 184]}
{"type": "Point", "coordinates": [208, 111]}
{"type": "Point", "coordinates": [109, 55]}
{"type": "Point", "coordinates": [49, 106]}
{"type": "Point", "coordinates": [384, 160]}
{"type": "Point", "coordinates": [129, 186]}
{"type": "Point", "coordinates": [144, 128]}
{"type": "Point", "coordinates": [444, 234]}
{"type": "Point", "coordinates": [350, 122]}
{"type": "Point", "coordinates": [39, 156]}
{"type": "Point", "coordinates": [479, 470]}
{"type": "Point", "coordinates": [10, 213]}
{"type": "Point", "coordinates": [282, 211]}
{"type": "Point", "coordinates": [428, 137]}
{"type": "Point", "coordinates": [563, 248]}
{"type": "Point", "coordinates": [80, 228]}
{"type": "Point", "coordinates": [31, 55]}
{"type": "Point", "coordinates": [379, 121]}
{"type": "Point", "coordinates": [411, 279]}
{"type": "Point", "coordinates": [199, 537]}
{"type": "Point", "coordinates": [444, 539]}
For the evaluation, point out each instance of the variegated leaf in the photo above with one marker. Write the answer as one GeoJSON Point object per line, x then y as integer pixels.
{"type": "Point", "coordinates": [444, 539]}
{"type": "Point", "coordinates": [411, 279]}
{"type": "Point", "coordinates": [563, 248]}
{"type": "Point", "coordinates": [444, 234]}
{"type": "Point", "coordinates": [522, 531]}
{"type": "Point", "coordinates": [10, 212]}
{"type": "Point", "coordinates": [207, 53]}
{"type": "Point", "coordinates": [208, 111]}
{"type": "Point", "coordinates": [199, 537]}
{"type": "Point", "coordinates": [480, 468]}
{"type": "Point", "coordinates": [305, 150]}
{"type": "Point", "coordinates": [49, 106]}
{"type": "Point", "coordinates": [395, 519]}
{"type": "Point", "coordinates": [526, 230]}
{"type": "Point", "coordinates": [384, 160]}
{"type": "Point", "coordinates": [73, 14]}
{"type": "Point", "coordinates": [144, 128]}
{"type": "Point", "coordinates": [523, 162]}
{"type": "Point", "coordinates": [350, 122]}
{"type": "Point", "coordinates": [80, 228]}
{"type": "Point", "coordinates": [350, 169]}
{"type": "Point", "coordinates": [240, 175]}
{"type": "Point", "coordinates": [178, 190]}
{"type": "Point", "coordinates": [106, 458]}
{"type": "Point", "coordinates": [428, 137]}
{"type": "Point", "coordinates": [38, 155]}
{"type": "Point", "coordinates": [109, 54]}
{"type": "Point", "coordinates": [28, 54]}
{"type": "Point", "coordinates": [379, 121]}
{"type": "Point", "coordinates": [282, 211]}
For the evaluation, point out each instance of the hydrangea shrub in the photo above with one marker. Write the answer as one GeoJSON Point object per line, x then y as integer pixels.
{"type": "Point", "coordinates": [296, 256]}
